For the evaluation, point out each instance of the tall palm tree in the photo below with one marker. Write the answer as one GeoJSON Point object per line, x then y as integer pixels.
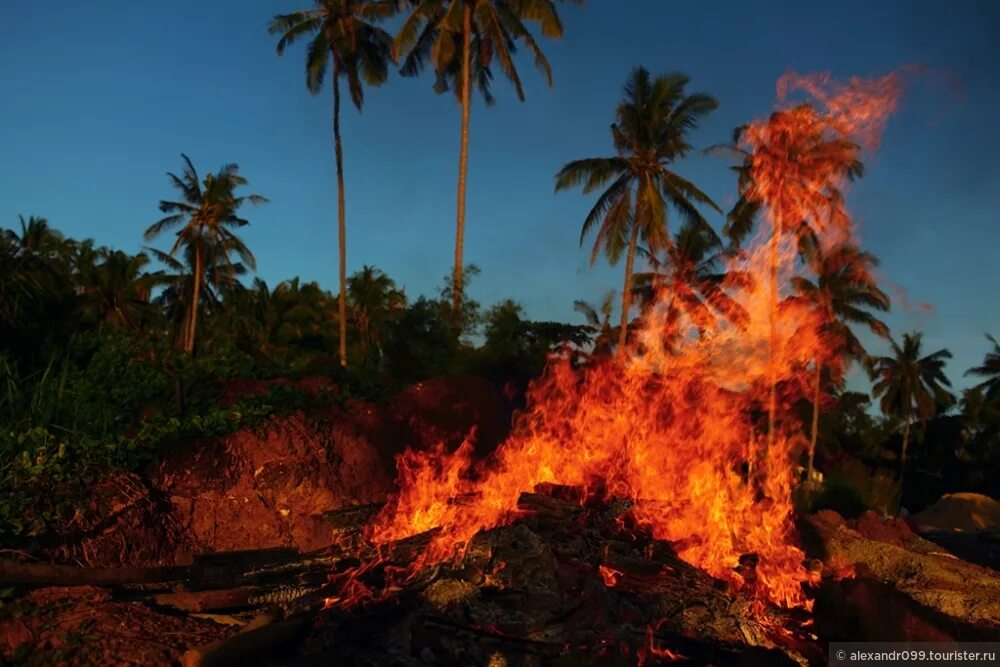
{"type": "Point", "coordinates": [793, 168]}
{"type": "Point", "coordinates": [206, 215]}
{"type": "Point", "coordinates": [845, 293]}
{"type": "Point", "coordinates": [911, 386]}
{"type": "Point", "coordinates": [375, 301]}
{"type": "Point", "coordinates": [342, 32]}
{"type": "Point", "coordinates": [990, 370]}
{"type": "Point", "coordinates": [650, 134]}
{"type": "Point", "coordinates": [462, 38]}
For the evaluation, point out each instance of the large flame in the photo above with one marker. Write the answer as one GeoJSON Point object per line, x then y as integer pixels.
{"type": "Point", "coordinates": [679, 423]}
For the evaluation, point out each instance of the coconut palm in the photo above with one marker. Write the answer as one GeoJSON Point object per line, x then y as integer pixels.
{"type": "Point", "coordinates": [845, 293]}
{"type": "Point", "coordinates": [742, 218]}
{"type": "Point", "coordinates": [990, 370]}
{"type": "Point", "coordinates": [690, 273]}
{"type": "Point", "coordinates": [462, 38]}
{"type": "Point", "coordinates": [342, 32]}
{"type": "Point", "coordinates": [206, 214]}
{"type": "Point", "coordinates": [650, 134]}
{"type": "Point", "coordinates": [37, 238]}
{"type": "Point", "coordinates": [219, 276]}
{"type": "Point", "coordinates": [911, 386]}
{"type": "Point", "coordinates": [115, 289]}
{"type": "Point", "coordinates": [793, 168]}
{"type": "Point", "coordinates": [375, 301]}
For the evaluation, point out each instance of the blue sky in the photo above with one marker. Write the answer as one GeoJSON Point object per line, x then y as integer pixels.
{"type": "Point", "coordinates": [101, 97]}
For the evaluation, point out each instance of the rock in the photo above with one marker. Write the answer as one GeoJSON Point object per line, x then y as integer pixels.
{"type": "Point", "coordinates": [960, 599]}
{"type": "Point", "coordinates": [959, 512]}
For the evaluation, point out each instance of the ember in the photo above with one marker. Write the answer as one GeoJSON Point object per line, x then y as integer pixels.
{"type": "Point", "coordinates": [671, 427]}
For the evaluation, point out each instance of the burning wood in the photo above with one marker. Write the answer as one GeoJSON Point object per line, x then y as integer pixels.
{"type": "Point", "coordinates": [570, 578]}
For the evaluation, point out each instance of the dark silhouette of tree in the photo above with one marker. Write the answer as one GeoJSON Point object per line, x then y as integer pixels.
{"type": "Point", "coordinates": [911, 386]}
{"type": "Point", "coordinates": [989, 370]}
{"type": "Point", "coordinates": [206, 215]}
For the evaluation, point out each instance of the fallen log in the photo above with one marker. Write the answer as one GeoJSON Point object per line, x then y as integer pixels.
{"type": "Point", "coordinates": [353, 517]}
{"type": "Point", "coordinates": [201, 601]}
{"type": "Point", "coordinates": [45, 574]}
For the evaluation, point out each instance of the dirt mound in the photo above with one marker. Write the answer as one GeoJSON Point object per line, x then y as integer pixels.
{"type": "Point", "coordinates": [270, 487]}
{"type": "Point", "coordinates": [883, 529]}
{"type": "Point", "coordinates": [122, 524]}
{"type": "Point", "coordinates": [959, 512]}
{"type": "Point", "coordinates": [85, 626]}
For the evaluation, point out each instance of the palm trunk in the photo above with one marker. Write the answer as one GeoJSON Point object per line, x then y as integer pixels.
{"type": "Point", "coordinates": [338, 150]}
{"type": "Point", "coordinates": [772, 407]}
{"type": "Point", "coordinates": [906, 441]}
{"type": "Point", "coordinates": [627, 291]}
{"type": "Point", "coordinates": [463, 158]}
{"type": "Point", "coordinates": [192, 319]}
{"type": "Point", "coordinates": [815, 419]}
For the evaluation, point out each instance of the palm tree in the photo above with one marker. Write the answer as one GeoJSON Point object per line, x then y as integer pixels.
{"type": "Point", "coordinates": [911, 386]}
{"type": "Point", "coordinates": [742, 218]}
{"type": "Point", "coordinates": [599, 324]}
{"type": "Point", "coordinates": [990, 369]}
{"type": "Point", "coordinates": [342, 31]}
{"type": "Point", "coordinates": [649, 136]}
{"type": "Point", "coordinates": [37, 238]}
{"type": "Point", "coordinates": [219, 276]}
{"type": "Point", "coordinates": [461, 38]}
{"type": "Point", "coordinates": [375, 301]}
{"type": "Point", "coordinates": [116, 290]}
{"type": "Point", "coordinates": [793, 168]}
{"type": "Point", "coordinates": [844, 292]}
{"type": "Point", "coordinates": [691, 274]}
{"type": "Point", "coordinates": [206, 214]}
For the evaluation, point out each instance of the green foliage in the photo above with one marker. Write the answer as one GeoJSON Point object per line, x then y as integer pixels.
{"type": "Point", "coordinates": [45, 473]}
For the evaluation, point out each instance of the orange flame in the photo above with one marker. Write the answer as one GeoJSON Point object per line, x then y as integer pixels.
{"type": "Point", "coordinates": [675, 423]}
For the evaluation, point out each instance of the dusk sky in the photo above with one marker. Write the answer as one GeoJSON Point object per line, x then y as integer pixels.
{"type": "Point", "coordinates": [101, 97]}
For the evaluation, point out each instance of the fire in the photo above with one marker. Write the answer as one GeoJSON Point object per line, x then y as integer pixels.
{"type": "Point", "coordinates": [679, 423]}
{"type": "Point", "coordinates": [610, 575]}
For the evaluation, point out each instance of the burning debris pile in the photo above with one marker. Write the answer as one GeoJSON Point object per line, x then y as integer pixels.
{"type": "Point", "coordinates": [572, 580]}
